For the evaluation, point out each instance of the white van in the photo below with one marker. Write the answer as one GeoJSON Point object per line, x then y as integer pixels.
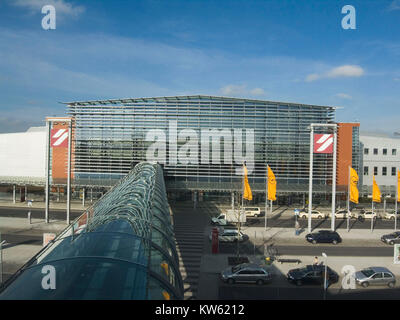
{"type": "Point", "coordinates": [252, 211]}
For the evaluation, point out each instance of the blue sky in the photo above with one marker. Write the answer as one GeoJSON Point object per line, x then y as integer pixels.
{"type": "Point", "coordinates": [294, 51]}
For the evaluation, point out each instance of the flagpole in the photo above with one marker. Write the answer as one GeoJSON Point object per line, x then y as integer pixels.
{"type": "Point", "coordinates": [333, 226]}
{"type": "Point", "coordinates": [310, 180]}
{"type": "Point", "coordinates": [372, 205]}
{"type": "Point", "coordinates": [266, 199]}
{"type": "Point", "coordinates": [240, 211]}
{"type": "Point", "coordinates": [348, 203]}
{"type": "Point", "coordinates": [271, 207]}
{"type": "Point", "coordinates": [395, 203]}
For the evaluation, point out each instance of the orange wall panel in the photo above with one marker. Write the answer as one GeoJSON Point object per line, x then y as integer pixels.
{"type": "Point", "coordinates": [344, 152]}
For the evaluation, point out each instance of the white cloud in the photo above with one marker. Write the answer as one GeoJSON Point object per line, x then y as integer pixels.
{"type": "Point", "coordinates": [344, 96]}
{"type": "Point", "coordinates": [241, 90]}
{"type": "Point", "coordinates": [312, 77]}
{"type": "Point", "coordinates": [345, 71]}
{"type": "Point", "coordinates": [61, 6]}
{"type": "Point", "coordinates": [257, 92]}
{"type": "Point", "coordinates": [338, 72]}
{"type": "Point", "coordinates": [395, 5]}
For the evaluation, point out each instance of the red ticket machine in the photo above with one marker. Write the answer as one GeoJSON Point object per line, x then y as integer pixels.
{"type": "Point", "coordinates": [215, 247]}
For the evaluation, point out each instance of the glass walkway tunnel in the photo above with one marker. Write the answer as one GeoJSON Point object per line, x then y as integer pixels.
{"type": "Point", "coordinates": [122, 247]}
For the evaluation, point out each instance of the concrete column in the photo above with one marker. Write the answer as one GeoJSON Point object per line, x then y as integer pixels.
{"type": "Point", "coordinates": [83, 197]}
{"type": "Point", "coordinates": [26, 193]}
{"type": "Point", "coordinates": [14, 193]}
{"type": "Point", "coordinates": [384, 203]}
{"type": "Point", "coordinates": [233, 200]}
{"type": "Point", "coordinates": [58, 194]}
{"type": "Point", "coordinates": [91, 195]}
{"type": "Point", "coordinates": [194, 199]}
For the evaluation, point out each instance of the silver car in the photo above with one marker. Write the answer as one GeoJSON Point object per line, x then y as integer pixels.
{"type": "Point", "coordinates": [375, 276]}
{"type": "Point", "coordinates": [230, 235]}
{"type": "Point", "coordinates": [246, 272]}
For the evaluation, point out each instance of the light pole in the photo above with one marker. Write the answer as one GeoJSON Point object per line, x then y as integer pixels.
{"type": "Point", "coordinates": [325, 274]}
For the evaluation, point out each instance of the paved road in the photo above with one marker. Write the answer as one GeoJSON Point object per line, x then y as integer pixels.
{"type": "Point", "coordinates": [271, 292]}
{"type": "Point", "coordinates": [310, 250]}
{"type": "Point", "coordinates": [37, 213]}
{"type": "Point", "coordinates": [13, 239]}
{"type": "Point", "coordinates": [341, 224]}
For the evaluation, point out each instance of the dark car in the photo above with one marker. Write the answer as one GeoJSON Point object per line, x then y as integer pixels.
{"type": "Point", "coordinates": [246, 272]}
{"type": "Point", "coordinates": [391, 238]}
{"type": "Point", "coordinates": [324, 236]}
{"type": "Point", "coordinates": [312, 274]}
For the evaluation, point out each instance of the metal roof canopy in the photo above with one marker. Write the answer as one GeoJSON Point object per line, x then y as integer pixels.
{"type": "Point", "coordinates": [182, 98]}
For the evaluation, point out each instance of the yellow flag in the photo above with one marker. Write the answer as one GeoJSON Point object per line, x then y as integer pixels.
{"type": "Point", "coordinates": [271, 185]}
{"type": "Point", "coordinates": [166, 295]}
{"type": "Point", "coordinates": [247, 191]}
{"type": "Point", "coordinates": [353, 185]}
{"type": "Point", "coordinates": [376, 193]}
{"type": "Point", "coordinates": [398, 185]}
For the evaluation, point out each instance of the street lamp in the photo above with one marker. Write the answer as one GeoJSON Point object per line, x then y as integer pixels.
{"type": "Point", "coordinates": [326, 274]}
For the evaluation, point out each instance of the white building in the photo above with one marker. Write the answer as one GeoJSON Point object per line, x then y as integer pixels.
{"type": "Point", "coordinates": [381, 158]}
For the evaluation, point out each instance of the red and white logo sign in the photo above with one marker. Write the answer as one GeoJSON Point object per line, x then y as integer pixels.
{"type": "Point", "coordinates": [59, 138]}
{"type": "Point", "coordinates": [323, 143]}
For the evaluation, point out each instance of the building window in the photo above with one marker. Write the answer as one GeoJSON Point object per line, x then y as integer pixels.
{"type": "Point", "coordinates": [393, 171]}
{"type": "Point", "coordinates": [384, 152]}
{"type": "Point", "coordinates": [394, 152]}
{"type": "Point", "coordinates": [375, 171]}
{"type": "Point", "coordinates": [384, 171]}
{"type": "Point", "coordinates": [366, 150]}
{"type": "Point", "coordinates": [375, 151]}
{"type": "Point", "coordinates": [365, 171]}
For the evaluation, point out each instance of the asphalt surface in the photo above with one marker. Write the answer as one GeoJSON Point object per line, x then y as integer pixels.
{"type": "Point", "coordinates": [13, 239]}
{"type": "Point", "coordinates": [341, 224]}
{"type": "Point", "coordinates": [38, 213]}
{"type": "Point", "coordinates": [310, 250]}
{"type": "Point", "coordinates": [292, 292]}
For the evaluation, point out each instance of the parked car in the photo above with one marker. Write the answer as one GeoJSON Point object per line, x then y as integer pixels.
{"type": "Point", "coordinates": [390, 215]}
{"type": "Point", "coordinates": [324, 236]}
{"type": "Point", "coordinates": [230, 235]}
{"type": "Point", "coordinates": [362, 215]}
{"type": "Point", "coordinates": [314, 214]}
{"type": "Point", "coordinates": [246, 272]}
{"type": "Point", "coordinates": [375, 276]}
{"type": "Point", "coordinates": [252, 211]}
{"type": "Point", "coordinates": [391, 238]}
{"type": "Point", "coordinates": [311, 274]}
{"type": "Point", "coordinates": [342, 214]}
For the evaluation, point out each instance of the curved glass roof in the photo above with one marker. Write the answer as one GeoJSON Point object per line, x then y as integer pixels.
{"type": "Point", "coordinates": [120, 248]}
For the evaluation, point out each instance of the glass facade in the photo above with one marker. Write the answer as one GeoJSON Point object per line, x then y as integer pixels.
{"type": "Point", "coordinates": [112, 136]}
{"type": "Point", "coordinates": [121, 248]}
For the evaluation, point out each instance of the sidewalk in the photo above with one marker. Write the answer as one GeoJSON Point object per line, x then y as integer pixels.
{"type": "Point", "coordinates": [75, 205]}
{"type": "Point", "coordinates": [259, 233]}
{"type": "Point", "coordinates": [20, 224]}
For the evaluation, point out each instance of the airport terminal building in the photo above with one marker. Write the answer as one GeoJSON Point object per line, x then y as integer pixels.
{"type": "Point", "coordinates": [201, 143]}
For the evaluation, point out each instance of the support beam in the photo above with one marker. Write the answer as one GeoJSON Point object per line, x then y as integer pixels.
{"type": "Point", "coordinates": [69, 173]}
{"type": "Point", "coordinates": [47, 191]}
{"type": "Point", "coordinates": [310, 177]}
